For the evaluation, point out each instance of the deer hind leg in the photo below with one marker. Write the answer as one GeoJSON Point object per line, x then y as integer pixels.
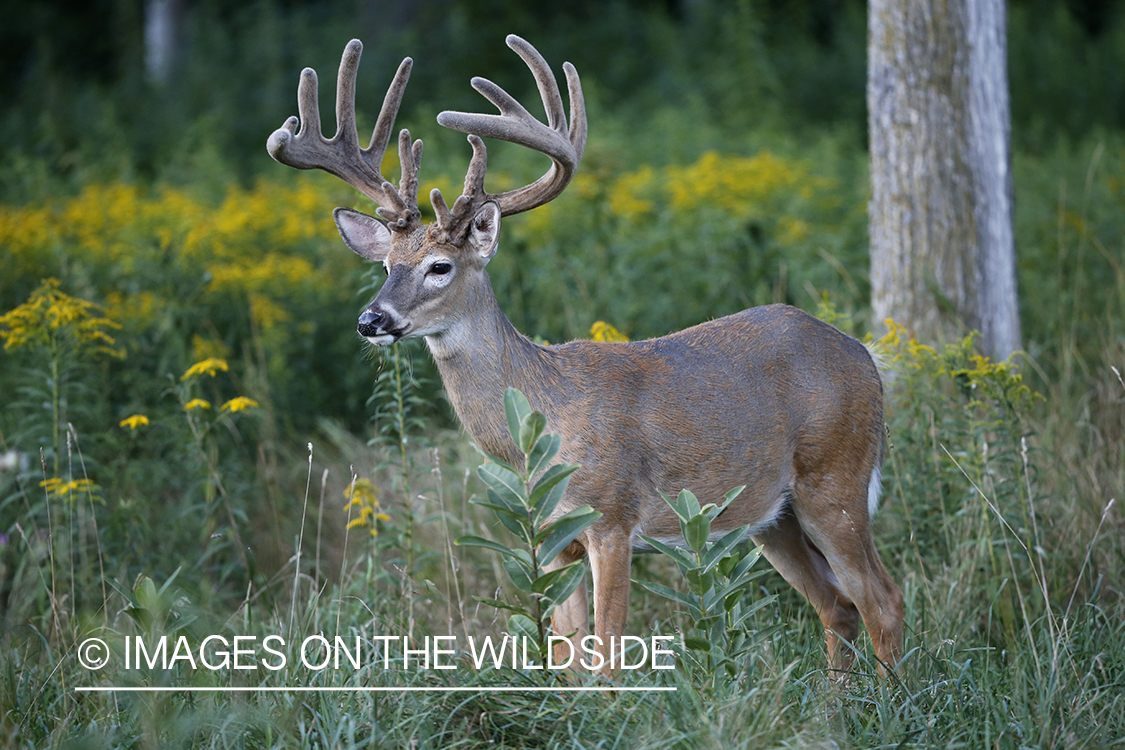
{"type": "Point", "coordinates": [800, 563]}
{"type": "Point", "coordinates": [838, 535]}
{"type": "Point", "coordinates": [611, 554]}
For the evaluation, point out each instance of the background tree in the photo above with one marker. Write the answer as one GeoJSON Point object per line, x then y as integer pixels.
{"type": "Point", "coordinates": [163, 21]}
{"type": "Point", "coordinates": [942, 246]}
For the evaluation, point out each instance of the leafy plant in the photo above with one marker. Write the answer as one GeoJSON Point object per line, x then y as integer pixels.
{"type": "Point", "coordinates": [718, 576]}
{"type": "Point", "coordinates": [524, 499]}
{"type": "Point", "coordinates": [397, 402]}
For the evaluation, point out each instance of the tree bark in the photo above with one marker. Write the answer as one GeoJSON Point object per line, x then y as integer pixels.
{"type": "Point", "coordinates": [942, 247]}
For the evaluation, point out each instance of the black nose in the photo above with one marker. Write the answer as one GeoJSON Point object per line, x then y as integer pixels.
{"type": "Point", "coordinates": [371, 321]}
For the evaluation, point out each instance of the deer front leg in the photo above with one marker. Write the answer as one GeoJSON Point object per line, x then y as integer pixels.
{"type": "Point", "coordinates": [611, 554]}
{"type": "Point", "coordinates": [572, 617]}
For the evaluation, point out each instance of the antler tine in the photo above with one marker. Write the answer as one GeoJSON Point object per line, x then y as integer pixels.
{"type": "Point", "coordinates": [544, 79]}
{"type": "Point", "coordinates": [307, 148]}
{"type": "Point", "coordinates": [450, 224]}
{"type": "Point", "coordinates": [515, 124]}
{"type": "Point", "coordinates": [410, 157]}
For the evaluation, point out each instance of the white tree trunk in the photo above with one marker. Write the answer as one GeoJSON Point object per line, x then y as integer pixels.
{"type": "Point", "coordinates": [162, 34]}
{"type": "Point", "coordinates": [942, 249]}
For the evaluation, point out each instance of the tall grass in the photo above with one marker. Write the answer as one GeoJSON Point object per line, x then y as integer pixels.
{"type": "Point", "coordinates": [1015, 630]}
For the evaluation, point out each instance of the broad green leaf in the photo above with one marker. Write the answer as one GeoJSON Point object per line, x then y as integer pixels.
{"type": "Point", "coordinates": [696, 531]}
{"type": "Point", "coordinates": [489, 458]}
{"type": "Point", "coordinates": [727, 564]}
{"type": "Point", "coordinates": [689, 601]}
{"type": "Point", "coordinates": [747, 562]}
{"type": "Point", "coordinates": [681, 558]}
{"type": "Point", "coordinates": [141, 616]}
{"type": "Point", "coordinates": [733, 587]}
{"type": "Point", "coordinates": [476, 541]}
{"type": "Point", "coordinates": [758, 604]}
{"type": "Point", "coordinates": [500, 604]}
{"type": "Point", "coordinates": [522, 626]}
{"type": "Point", "coordinates": [688, 503]}
{"type": "Point", "coordinates": [145, 591]}
{"type": "Point", "coordinates": [717, 595]}
{"type": "Point", "coordinates": [728, 499]}
{"type": "Point", "coordinates": [508, 485]}
{"type": "Point", "coordinates": [555, 537]}
{"type": "Point", "coordinates": [700, 582]}
{"type": "Point", "coordinates": [516, 407]}
{"type": "Point", "coordinates": [542, 453]}
{"type": "Point", "coordinates": [549, 480]}
{"type": "Point", "coordinates": [520, 573]}
{"type": "Point", "coordinates": [493, 504]}
{"type": "Point", "coordinates": [542, 582]}
{"type": "Point", "coordinates": [675, 506]}
{"type": "Point", "coordinates": [512, 521]}
{"type": "Point", "coordinates": [696, 643]}
{"type": "Point", "coordinates": [721, 548]}
{"type": "Point", "coordinates": [762, 635]}
{"type": "Point", "coordinates": [531, 427]}
{"type": "Point", "coordinates": [549, 490]}
{"type": "Point", "coordinates": [558, 585]}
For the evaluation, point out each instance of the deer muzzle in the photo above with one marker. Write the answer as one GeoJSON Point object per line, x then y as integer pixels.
{"type": "Point", "coordinates": [379, 326]}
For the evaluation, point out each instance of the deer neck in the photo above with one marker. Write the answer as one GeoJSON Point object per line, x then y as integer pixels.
{"type": "Point", "coordinates": [479, 357]}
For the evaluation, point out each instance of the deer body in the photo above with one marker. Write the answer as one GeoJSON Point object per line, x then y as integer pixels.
{"type": "Point", "coordinates": [769, 398]}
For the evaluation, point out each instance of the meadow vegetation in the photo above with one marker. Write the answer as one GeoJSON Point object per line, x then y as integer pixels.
{"type": "Point", "coordinates": [193, 442]}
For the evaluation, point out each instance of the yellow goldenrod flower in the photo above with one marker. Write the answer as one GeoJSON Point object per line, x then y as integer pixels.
{"type": "Point", "coordinates": [197, 403]}
{"type": "Point", "coordinates": [361, 519]}
{"type": "Point", "coordinates": [62, 489]}
{"type": "Point", "coordinates": [49, 316]}
{"type": "Point", "coordinates": [135, 421]}
{"type": "Point", "coordinates": [363, 495]}
{"type": "Point", "coordinates": [602, 331]}
{"type": "Point", "coordinates": [238, 404]}
{"type": "Point", "coordinates": [209, 366]}
{"type": "Point", "coordinates": [628, 195]}
{"type": "Point", "coordinates": [362, 492]}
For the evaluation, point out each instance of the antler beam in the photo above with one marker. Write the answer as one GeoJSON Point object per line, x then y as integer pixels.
{"type": "Point", "coordinates": [341, 155]}
{"type": "Point", "coordinates": [563, 144]}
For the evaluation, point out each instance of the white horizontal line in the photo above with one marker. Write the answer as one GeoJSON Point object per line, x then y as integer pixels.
{"type": "Point", "coordinates": [317, 689]}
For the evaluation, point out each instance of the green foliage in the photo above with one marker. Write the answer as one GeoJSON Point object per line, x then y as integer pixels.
{"type": "Point", "coordinates": [1048, 676]}
{"type": "Point", "coordinates": [958, 424]}
{"type": "Point", "coordinates": [524, 500]}
{"type": "Point", "coordinates": [399, 555]}
{"type": "Point", "coordinates": [55, 339]}
{"type": "Point", "coordinates": [725, 169]}
{"type": "Point", "coordinates": [719, 578]}
{"type": "Point", "coordinates": [83, 109]}
{"type": "Point", "coordinates": [717, 233]}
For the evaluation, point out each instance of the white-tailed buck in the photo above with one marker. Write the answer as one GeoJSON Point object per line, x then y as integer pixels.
{"type": "Point", "coordinates": [770, 398]}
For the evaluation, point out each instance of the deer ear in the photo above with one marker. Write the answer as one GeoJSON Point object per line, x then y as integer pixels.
{"type": "Point", "coordinates": [484, 231]}
{"type": "Point", "coordinates": [367, 236]}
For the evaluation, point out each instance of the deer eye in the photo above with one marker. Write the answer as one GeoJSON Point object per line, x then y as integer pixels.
{"type": "Point", "coordinates": [441, 268]}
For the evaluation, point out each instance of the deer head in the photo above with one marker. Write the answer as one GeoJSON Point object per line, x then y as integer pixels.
{"type": "Point", "coordinates": [435, 270]}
